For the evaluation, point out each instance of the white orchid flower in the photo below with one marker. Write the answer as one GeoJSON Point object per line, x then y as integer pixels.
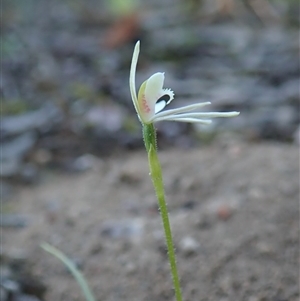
{"type": "Point", "coordinates": [152, 99]}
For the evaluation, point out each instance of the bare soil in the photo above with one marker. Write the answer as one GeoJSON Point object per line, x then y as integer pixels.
{"type": "Point", "coordinates": [237, 203]}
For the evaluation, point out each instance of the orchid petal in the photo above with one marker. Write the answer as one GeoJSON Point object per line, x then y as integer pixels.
{"type": "Point", "coordinates": [151, 90]}
{"type": "Point", "coordinates": [152, 99]}
{"type": "Point", "coordinates": [191, 120]}
{"type": "Point", "coordinates": [160, 106]}
{"type": "Point", "coordinates": [166, 97]}
{"type": "Point", "coordinates": [132, 86]}
{"type": "Point", "coordinates": [207, 114]}
{"type": "Point", "coordinates": [182, 109]}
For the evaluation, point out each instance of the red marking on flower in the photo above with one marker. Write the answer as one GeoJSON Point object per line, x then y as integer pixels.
{"type": "Point", "coordinates": [145, 105]}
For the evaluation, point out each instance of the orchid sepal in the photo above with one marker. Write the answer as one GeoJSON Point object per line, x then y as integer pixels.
{"type": "Point", "coordinates": [152, 98]}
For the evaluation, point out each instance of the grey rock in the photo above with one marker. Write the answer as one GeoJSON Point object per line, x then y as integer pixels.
{"type": "Point", "coordinates": [13, 220]}
{"type": "Point", "coordinates": [10, 285]}
{"type": "Point", "coordinates": [42, 120]}
{"type": "Point", "coordinates": [16, 148]}
{"type": "Point", "coordinates": [10, 167]}
{"type": "Point", "coordinates": [26, 298]}
{"type": "Point", "coordinates": [13, 151]}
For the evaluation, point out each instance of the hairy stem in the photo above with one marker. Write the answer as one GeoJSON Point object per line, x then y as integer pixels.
{"type": "Point", "coordinates": [149, 135]}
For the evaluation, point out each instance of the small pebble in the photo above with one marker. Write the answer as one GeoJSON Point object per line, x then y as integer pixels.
{"type": "Point", "coordinates": [96, 248]}
{"type": "Point", "coordinates": [205, 222]}
{"type": "Point", "coordinates": [42, 156]}
{"type": "Point", "coordinates": [189, 246]}
{"type": "Point", "coordinates": [224, 212]}
{"type": "Point", "coordinates": [189, 205]}
{"type": "Point", "coordinates": [131, 228]}
{"type": "Point", "coordinates": [130, 268]}
{"type": "Point", "coordinates": [130, 176]}
{"type": "Point", "coordinates": [84, 163]}
{"type": "Point", "coordinates": [264, 248]}
{"type": "Point", "coordinates": [223, 207]}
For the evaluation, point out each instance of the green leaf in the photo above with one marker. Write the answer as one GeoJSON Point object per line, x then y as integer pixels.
{"type": "Point", "coordinates": [73, 269]}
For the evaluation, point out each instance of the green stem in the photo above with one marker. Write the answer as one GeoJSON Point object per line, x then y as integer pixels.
{"type": "Point", "coordinates": [71, 266]}
{"type": "Point", "coordinates": [156, 175]}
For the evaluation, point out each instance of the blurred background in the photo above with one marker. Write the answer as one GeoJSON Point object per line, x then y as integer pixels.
{"type": "Point", "coordinates": [65, 67]}
{"type": "Point", "coordinates": [65, 101]}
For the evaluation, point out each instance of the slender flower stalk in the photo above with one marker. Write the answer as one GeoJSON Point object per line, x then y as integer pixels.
{"type": "Point", "coordinates": [149, 103]}
{"type": "Point", "coordinates": [156, 175]}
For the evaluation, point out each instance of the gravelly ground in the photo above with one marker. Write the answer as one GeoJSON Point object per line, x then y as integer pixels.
{"type": "Point", "coordinates": [238, 203]}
